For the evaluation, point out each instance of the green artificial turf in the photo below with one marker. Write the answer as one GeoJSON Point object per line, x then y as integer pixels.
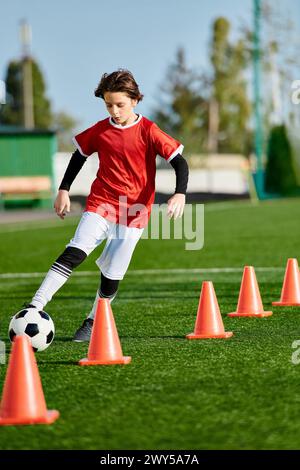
{"type": "Point", "coordinates": [239, 393]}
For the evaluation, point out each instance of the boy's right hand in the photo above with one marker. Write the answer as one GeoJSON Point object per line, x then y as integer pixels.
{"type": "Point", "coordinates": [62, 203]}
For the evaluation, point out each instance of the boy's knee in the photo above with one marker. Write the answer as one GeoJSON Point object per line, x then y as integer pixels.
{"type": "Point", "coordinates": [71, 257]}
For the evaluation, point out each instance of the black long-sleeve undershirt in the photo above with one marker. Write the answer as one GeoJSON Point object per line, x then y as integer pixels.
{"type": "Point", "coordinates": [77, 161]}
{"type": "Point", "coordinates": [75, 164]}
{"type": "Point", "coordinates": [182, 173]}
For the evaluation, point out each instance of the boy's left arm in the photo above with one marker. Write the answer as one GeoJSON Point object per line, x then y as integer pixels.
{"type": "Point", "coordinates": [177, 202]}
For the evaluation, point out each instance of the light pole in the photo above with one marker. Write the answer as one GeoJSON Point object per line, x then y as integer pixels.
{"type": "Point", "coordinates": [258, 122]}
{"type": "Point", "coordinates": [28, 118]}
{"type": "Point", "coordinates": [2, 97]}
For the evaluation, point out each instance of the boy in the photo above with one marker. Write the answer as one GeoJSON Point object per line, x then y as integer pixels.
{"type": "Point", "coordinates": [119, 204]}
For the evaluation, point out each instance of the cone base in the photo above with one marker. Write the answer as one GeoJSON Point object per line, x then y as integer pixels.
{"type": "Point", "coordinates": [225, 335]}
{"type": "Point", "coordinates": [95, 362]}
{"type": "Point", "coordinates": [50, 417]}
{"type": "Point", "coordinates": [286, 304]}
{"type": "Point", "coordinates": [258, 315]}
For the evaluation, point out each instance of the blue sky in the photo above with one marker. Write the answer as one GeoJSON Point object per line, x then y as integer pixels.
{"type": "Point", "coordinates": [76, 41]}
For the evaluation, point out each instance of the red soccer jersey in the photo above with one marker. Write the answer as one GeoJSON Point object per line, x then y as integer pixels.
{"type": "Point", "coordinates": [124, 188]}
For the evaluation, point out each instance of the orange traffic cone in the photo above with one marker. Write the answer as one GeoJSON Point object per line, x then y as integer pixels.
{"type": "Point", "coordinates": [290, 294]}
{"type": "Point", "coordinates": [104, 347]}
{"type": "Point", "coordinates": [23, 400]}
{"type": "Point", "coordinates": [209, 323]}
{"type": "Point", "coordinates": [249, 303]}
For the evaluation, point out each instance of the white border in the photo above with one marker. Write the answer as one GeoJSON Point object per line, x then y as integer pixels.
{"type": "Point", "coordinates": [78, 146]}
{"type": "Point", "coordinates": [119, 126]}
{"type": "Point", "coordinates": [178, 150]}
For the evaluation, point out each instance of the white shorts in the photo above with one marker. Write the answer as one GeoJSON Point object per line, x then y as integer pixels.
{"type": "Point", "coordinates": [121, 241]}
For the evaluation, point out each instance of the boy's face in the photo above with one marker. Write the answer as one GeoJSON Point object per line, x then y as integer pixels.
{"type": "Point", "coordinates": [120, 107]}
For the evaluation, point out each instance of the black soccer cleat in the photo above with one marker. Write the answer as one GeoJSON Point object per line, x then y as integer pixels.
{"type": "Point", "coordinates": [84, 331]}
{"type": "Point", "coordinates": [28, 305]}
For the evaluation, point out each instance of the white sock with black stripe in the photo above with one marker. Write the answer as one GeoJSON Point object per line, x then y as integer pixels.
{"type": "Point", "coordinates": [54, 280]}
{"type": "Point", "coordinates": [61, 269]}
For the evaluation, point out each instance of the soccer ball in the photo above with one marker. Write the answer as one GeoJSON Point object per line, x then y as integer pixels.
{"type": "Point", "coordinates": [36, 324]}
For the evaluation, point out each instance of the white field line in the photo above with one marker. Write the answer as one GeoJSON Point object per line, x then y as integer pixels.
{"type": "Point", "coordinates": [138, 272]}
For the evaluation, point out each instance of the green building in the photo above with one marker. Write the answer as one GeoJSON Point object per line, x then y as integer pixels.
{"type": "Point", "coordinates": [26, 167]}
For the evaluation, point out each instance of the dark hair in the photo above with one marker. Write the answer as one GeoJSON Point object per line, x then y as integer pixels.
{"type": "Point", "coordinates": [122, 80]}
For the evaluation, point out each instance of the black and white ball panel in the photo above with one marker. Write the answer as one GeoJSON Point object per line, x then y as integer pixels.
{"type": "Point", "coordinates": [36, 324]}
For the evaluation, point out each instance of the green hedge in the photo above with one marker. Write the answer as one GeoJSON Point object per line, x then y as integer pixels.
{"type": "Point", "coordinates": [280, 175]}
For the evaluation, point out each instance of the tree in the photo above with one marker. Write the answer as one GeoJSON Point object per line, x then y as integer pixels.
{"type": "Point", "coordinates": [182, 110]}
{"type": "Point", "coordinates": [209, 112]}
{"type": "Point", "coordinates": [232, 107]}
{"type": "Point", "coordinates": [12, 113]}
